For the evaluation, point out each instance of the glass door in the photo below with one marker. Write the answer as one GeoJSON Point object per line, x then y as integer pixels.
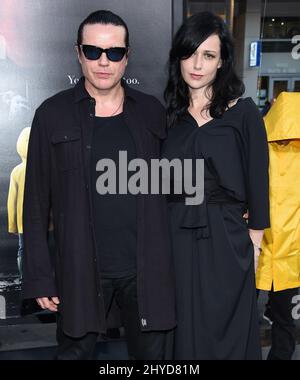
{"type": "Point", "coordinates": [296, 85]}
{"type": "Point", "coordinates": [277, 86]}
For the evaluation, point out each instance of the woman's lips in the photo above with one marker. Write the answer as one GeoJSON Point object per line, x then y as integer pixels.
{"type": "Point", "coordinates": [196, 76]}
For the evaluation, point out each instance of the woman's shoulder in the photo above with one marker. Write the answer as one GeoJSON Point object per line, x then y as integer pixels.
{"type": "Point", "coordinates": [244, 107]}
{"type": "Point", "coordinates": [246, 102]}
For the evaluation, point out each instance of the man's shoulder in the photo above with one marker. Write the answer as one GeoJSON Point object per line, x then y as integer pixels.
{"type": "Point", "coordinates": [153, 111]}
{"type": "Point", "coordinates": [144, 98]}
{"type": "Point", "coordinates": [57, 101]}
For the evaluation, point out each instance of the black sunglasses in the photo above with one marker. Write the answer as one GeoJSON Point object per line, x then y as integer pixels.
{"type": "Point", "coordinates": [114, 54]}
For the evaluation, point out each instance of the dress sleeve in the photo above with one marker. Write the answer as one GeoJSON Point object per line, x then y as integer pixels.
{"type": "Point", "coordinates": [257, 169]}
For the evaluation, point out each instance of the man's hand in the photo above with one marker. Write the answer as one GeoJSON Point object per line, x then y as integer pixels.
{"type": "Point", "coordinates": [49, 303]}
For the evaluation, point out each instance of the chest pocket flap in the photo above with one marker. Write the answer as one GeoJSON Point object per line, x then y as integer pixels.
{"type": "Point", "coordinates": [67, 150]}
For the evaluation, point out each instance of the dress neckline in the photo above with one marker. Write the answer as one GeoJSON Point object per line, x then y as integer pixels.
{"type": "Point", "coordinates": [239, 101]}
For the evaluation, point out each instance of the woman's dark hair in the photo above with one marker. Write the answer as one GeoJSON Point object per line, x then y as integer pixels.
{"type": "Point", "coordinates": [226, 86]}
{"type": "Point", "coordinates": [102, 17]}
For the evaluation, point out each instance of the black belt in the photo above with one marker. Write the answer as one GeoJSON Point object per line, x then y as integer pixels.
{"type": "Point", "coordinates": [212, 198]}
{"type": "Point", "coordinates": [195, 217]}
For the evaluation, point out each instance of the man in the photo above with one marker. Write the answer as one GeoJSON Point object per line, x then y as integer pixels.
{"type": "Point", "coordinates": [109, 247]}
{"type": "Point", "coordinates": [278, 266]}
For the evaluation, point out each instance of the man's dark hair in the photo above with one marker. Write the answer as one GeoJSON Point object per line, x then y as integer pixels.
{"type": "Point", "coordinates": [103, 17]}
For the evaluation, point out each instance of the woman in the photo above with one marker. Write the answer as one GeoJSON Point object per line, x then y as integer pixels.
{"type": "Point", "coordinates": [213, 246]}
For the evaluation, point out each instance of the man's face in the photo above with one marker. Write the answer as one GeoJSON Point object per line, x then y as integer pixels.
{"type": "Point", "coordinates": [103, 74]}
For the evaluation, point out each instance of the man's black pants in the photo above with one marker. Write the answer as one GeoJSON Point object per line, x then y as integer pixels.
{"type": "Point", "coordinates": [141, 345]}
{"type": "Point", "coordinates": [283, 326]}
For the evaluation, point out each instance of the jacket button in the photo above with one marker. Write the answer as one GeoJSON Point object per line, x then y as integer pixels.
{"type": "Point", "coordinates": [88, 147]}
{"type": "Point", "coordinates": [91, 114]}
{"type": "Point", "coordinates": [66, 137]}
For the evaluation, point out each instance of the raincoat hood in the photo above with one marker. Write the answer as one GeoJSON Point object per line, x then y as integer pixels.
{"type": "Point", "coordinates": [283, 120]}
{"type": "Point", "coordinates": [22, 143]}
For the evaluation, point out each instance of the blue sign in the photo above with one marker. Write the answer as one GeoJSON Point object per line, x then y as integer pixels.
{"type": "Point", "coordinates": [255, 50]}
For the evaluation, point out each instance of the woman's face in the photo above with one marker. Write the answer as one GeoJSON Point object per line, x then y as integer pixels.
{"type": "Point", "coordinates": [200, 69]}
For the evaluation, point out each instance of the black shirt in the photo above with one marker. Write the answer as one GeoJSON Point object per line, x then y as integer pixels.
{"type": "Point", "coordinates": [114, 214]}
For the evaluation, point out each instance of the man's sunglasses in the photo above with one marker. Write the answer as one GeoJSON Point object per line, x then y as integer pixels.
{"type": "Point", "coordinates": [114, 54]}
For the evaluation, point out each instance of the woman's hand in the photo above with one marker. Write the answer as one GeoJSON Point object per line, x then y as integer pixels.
{"type": "Point", "coordinates": [257, 252]}
{"type": "Point", "coordinates": [256, 237]}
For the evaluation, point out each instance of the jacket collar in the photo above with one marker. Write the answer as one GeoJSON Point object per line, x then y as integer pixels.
{"type": "Point", "coordinates": [82, 94]}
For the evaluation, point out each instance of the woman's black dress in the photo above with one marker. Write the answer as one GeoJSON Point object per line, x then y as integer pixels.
{"type": "Point", "coordinates": [213, 253]}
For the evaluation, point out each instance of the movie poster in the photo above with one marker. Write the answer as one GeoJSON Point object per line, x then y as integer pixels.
{"type": "Point", "coordinates": [37, 60]}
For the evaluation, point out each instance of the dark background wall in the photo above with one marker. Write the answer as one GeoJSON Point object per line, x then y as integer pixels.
{"type": "Point", "coordinates": [37, 59]}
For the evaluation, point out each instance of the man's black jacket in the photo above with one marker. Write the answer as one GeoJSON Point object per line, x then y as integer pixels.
{"type": "Point", "coordinates": [58, 179]}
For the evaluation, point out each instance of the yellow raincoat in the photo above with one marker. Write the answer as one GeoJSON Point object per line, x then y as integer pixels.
{"type": "Point", "coordinates": [16, 186]}
{"type": "Point", "coordinates": [279, 262]}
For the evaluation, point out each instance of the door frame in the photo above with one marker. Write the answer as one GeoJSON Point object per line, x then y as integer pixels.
{"type": "Point", "coordinates": [290, 83]}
